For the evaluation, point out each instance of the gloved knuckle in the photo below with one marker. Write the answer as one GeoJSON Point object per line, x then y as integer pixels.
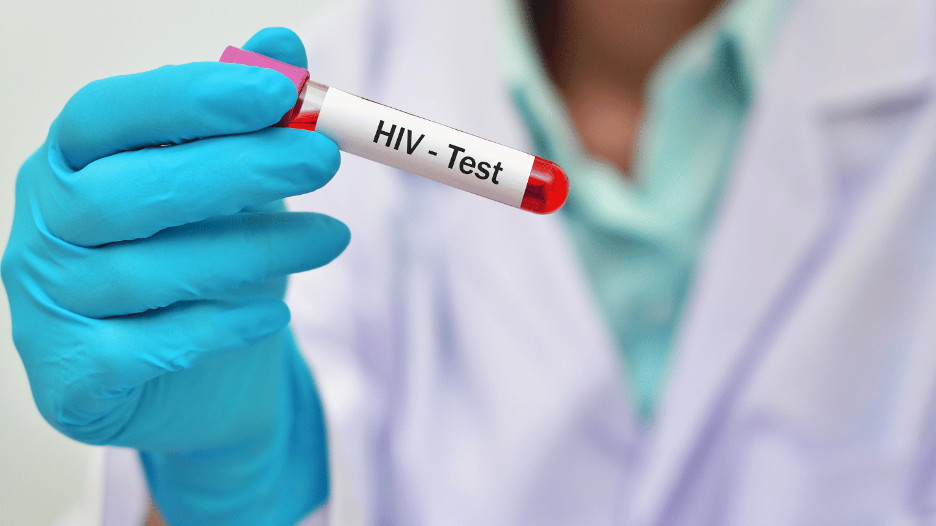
{"type": "Point", "coordinates": [10, 266]}
{"type": "Point", "coordinates": [87, 212]}
{"type": "Point", "coordinates": [45, 197]}
{"type": "Point", "coordinates": [74, 125]}
{"type": "Point", "coordinates": [73, 409]}
{"type": "Point", "coordinates": [90, 296]}
{"type": "Point", "coordinates": [55, 405]}
{"type": "Point", "coordinates": [75, 108]}
{"type": "Point", "coordinates": [109, 284]}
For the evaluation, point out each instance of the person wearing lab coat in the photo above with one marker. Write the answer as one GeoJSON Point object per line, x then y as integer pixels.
{"type": "Point", "coordinates": [472, 372]}
{"type": "Point", "coordinates": [483, 385]}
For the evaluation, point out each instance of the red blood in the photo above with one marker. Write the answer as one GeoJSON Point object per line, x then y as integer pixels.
{"type": "Point", "coordinates": [547, 188]}
{"type": "Point", "coordinates": [305, 121]}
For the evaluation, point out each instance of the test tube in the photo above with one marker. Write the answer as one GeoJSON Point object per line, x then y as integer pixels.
{"type": "Point", "coordinates": [416, 145]}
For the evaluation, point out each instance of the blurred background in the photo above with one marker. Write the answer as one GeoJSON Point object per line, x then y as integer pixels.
{"type": "Point", "coordinates": [50, 50]}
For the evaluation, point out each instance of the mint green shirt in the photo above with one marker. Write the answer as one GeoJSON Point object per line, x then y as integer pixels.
{"type": "Point", "coordinates": [639, 238]}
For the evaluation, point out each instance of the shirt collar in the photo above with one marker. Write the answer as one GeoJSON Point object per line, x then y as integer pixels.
{"type": "Point", "coordinates": [747, 28]}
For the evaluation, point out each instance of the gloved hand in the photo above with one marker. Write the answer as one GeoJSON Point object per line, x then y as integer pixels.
{"type": "Point", "coordinates": [146, 283]}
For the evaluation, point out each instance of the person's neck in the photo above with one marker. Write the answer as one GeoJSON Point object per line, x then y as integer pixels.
{"type": "Point", "coordinates": [600, 54]}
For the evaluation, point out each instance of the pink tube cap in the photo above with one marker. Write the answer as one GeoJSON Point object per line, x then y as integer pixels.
{"type": "Point", "coordinates": [297, 75]}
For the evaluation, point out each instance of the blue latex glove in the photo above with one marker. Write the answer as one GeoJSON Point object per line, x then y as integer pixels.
{"type": "Point", "coordinates": [146, 285]}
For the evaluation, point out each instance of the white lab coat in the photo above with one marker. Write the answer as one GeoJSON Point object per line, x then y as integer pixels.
{"type": "Point", "coordinates": [468, 378]}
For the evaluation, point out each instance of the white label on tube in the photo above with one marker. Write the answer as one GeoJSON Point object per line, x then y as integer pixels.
{"type": "Point", "coordinates": [392, 137]}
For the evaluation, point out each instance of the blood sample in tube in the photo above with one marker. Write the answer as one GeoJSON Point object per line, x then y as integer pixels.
{"type": "Point", "coordinates": [416, 145]}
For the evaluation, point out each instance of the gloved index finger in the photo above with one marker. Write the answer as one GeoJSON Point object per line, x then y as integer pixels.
{"type": "Point", "coordinates": [169, 105]}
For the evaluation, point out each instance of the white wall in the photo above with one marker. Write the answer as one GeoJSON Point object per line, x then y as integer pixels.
{"type": "Point", "coordinates": [48, 50]}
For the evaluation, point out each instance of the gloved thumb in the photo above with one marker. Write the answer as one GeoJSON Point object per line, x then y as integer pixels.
{"type": "Point", "coordinates": [279, 43]}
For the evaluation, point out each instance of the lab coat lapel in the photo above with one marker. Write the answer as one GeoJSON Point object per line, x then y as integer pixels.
{"type": "Point", "coordinates": [779, 219]}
